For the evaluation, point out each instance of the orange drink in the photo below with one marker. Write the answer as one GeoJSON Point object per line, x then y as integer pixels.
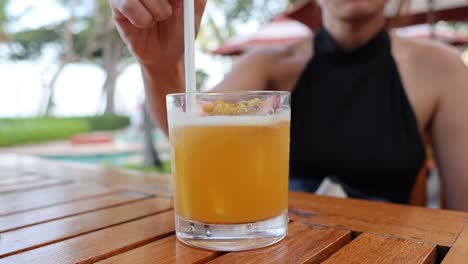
{"type": "Point", "coordinates": [230, 165]}
{"type": "Point", "coordinates": [217, 159]}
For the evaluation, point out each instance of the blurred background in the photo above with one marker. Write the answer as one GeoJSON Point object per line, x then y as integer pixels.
{"type": "Point", "coordinates": [66, 77]}
{"type": "Point", "coordinates": [70, 90]}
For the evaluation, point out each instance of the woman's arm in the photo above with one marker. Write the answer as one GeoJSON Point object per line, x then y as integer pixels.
{"type": "Point", "coordinates": [450, 130]}
{"type": "Point", "coordinates": [251, 72]}
{"type": "Point", "coordinates": [267, 68]}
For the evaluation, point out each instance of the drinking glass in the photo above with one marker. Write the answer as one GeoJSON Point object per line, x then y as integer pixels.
{"type": "Point", "coordinates": [230, 164]}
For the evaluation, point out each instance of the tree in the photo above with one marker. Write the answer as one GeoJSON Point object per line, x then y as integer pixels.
{"type": "Point", "coordinates": [100, 44]}
{"type": "Point", "coordinates": [236, 13]}
{"type": "Point", "coordinates": [67, 55]}
{"type": "Point", "coordinates": [115, 56]}
{"type": "Point", "coordinates": [28, 44]}
{"type": "Point", "coordinates": [150, 155]}
{"type": "Point", "coordinates": [240, 12]}
{"type": "Point", "coordinates": [96, 41]}
{"type": "Point", "coordinates": [4, 19]}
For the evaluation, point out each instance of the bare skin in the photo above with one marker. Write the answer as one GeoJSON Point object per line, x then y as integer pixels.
{"type": "Point", "coordinates": [433, 75]}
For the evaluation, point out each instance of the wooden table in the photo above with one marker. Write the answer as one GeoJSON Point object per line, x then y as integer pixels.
{"type": "Point", "coordinates": [53, 212]}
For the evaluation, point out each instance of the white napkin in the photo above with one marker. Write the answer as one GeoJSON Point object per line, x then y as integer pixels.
{"type": "Point", "coordinates": [330, 188]}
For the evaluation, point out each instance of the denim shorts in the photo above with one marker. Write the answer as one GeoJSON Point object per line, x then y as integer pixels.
{"type": "Point", "coordinates": [311, 185]}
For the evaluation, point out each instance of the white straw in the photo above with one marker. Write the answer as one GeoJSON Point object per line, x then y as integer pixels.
{"type": "Point", "coordinates": [189, 42]}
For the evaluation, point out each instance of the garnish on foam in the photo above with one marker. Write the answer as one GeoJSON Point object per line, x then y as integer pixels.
{"type": "Point", "coordinates": [252, 107]}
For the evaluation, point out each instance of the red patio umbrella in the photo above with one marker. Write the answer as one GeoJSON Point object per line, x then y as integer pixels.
{"type": "Point", "coordinates": [399, 12]}
{"type": "Point", "coordinates": [286, 28]}
{"type": "Point", "coordinates": [427, 31]}
{"type": "Point", "coordinates": [411, 12]}
{"type": "Point", "coordinates": [305, 11]}
{"type": "Point", "coordinates": [278, 32]}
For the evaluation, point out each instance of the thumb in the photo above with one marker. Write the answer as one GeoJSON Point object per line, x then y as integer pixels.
{"type": "Point", "coordinates": [198, 4]}
{"type": "Point", "coordinates": [124, 25]}
{"type": "Point", "coordinates": [199, 9]}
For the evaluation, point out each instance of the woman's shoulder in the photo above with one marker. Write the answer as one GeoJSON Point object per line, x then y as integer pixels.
{"type": "Point", "coordinates": [439, 66]}
{"type": "Point", "coordinates": [432, 70]}
{"type": "Point", "coordinates": [283, 64]}
{"type": "Point", "coordinates": [427, 55]}
{"type": "Point", "coordinates": [301, 48]}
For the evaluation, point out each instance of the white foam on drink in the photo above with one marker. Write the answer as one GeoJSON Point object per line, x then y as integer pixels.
{"type": "Point", "coordinates": [180, 119]}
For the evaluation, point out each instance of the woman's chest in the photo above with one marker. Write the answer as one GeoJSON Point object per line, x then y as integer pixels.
{"type": "Point", "coordinates": [421, 90]}
{"type": "Point", "coordinates": [354, 112]}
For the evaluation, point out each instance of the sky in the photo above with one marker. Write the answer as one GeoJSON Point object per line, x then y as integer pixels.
{"type": "Point", "coordinates": [78, 87]}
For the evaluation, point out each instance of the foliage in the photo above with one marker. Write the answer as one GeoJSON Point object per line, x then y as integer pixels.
{"type": "Point", "coordinates": [245, 10]}
{"type": "Point", "coordinates": [15, 131]}
{"type": "Point", "coordinates": [21, 131]}
{"type": "Point", "coordinates": [236, 13]}
{"type": "Point", "coordinates": [28, 44]}
{"type": "Point", "coordinates": [3, 15]}
{"type": "Point", "coordinates": [88, 36]}
{"type": "Point", "coordinates": [107, 122]}
{"type": "Point", "coordinates": [91, 36]}
{"type": "Point", "coordinates": [202, 78]}
{"type": "Point", "coordinates": [166, 168]}
{"type": "Point", "coordinates": [3, 20]}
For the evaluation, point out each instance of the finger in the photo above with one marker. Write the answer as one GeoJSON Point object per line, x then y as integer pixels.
{"type": "Point", "coordinates": [177, 3]}
{"type": "Point", "coordinates": [159, 9]}
{"type": "Point", "coordinates": [119, 17]}
{"type": "Point", "coordinates": [134, 11]}
{"type": "Point", "coordinates": [124, 25]}
{"type": "Point", "coordinates": [200, 6]}
{"type": "Point", "coordinates": [199, 10]}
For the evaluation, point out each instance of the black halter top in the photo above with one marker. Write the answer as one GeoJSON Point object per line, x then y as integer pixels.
{"type": "Point", "coordinates": [352, 121]}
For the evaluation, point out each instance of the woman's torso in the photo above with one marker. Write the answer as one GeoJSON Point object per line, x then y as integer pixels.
{"type": "Point", "coordinates": [358, 116]}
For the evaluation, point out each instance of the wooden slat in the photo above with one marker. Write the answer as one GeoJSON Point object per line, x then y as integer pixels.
{"type": "Point", "coordinates": [163, 251]}
{"type": "Point", "coordinates": [429, 225]}
{"type": "Point", "coordinates": [26, 238]}
{"type": "Point", "coordinates": [15, 179]}
{"type": "Point", "coordinates": [368, 248]}
{"type": "Point", "coordinates": [25, 186]}
{"type": "Point", "coordinates": [100, 244]}
{"type": "Point", "coordinates": [3, 168]}
{"type": "Point", "coordinates": [15, 221]}
{"type": "Point", "coordinates": [88, 240]}
{"type": "Point", "coordinates": [13, 173]}
{"type": "Point", "coordinates": [19, 202]}
{"type": "Point", "coordinates": [147, 182]}
{"type": "Point", "coordinates": [459, 252]}
{"type": "Point", "coordinates": [303, 244]}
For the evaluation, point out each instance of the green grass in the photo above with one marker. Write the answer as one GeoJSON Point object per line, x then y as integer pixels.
{"type": "Point", "coordinates": [15, 131]}
{"type": "Point", "coordinates": [165, 169]}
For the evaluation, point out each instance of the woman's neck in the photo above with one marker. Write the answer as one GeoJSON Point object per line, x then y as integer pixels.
{"type": "Point", "coordinates": [350, 35]}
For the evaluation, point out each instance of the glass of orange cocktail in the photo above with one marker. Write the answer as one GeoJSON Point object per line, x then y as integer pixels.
{"type": "Point", "coordinates": [230, 160]}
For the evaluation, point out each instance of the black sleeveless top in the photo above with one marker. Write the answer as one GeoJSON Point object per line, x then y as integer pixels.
{"type": "Point", "coordinates": [351, 120]}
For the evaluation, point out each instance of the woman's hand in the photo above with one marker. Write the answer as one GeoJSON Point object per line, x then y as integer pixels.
{"type": "Point", "coordinates": [154, 29]}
